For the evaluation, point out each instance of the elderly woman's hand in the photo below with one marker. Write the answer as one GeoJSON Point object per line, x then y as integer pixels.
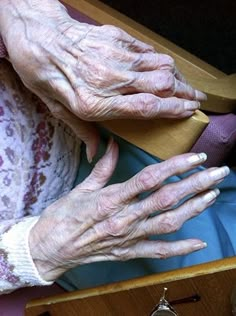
{"type": "Point", "coordinates": [96, 72]}
{"type": "Point", "coordinates": [97, 223]}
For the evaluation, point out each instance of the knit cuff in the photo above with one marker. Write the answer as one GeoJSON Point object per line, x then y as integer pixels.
{"type": "Point", "coordinates": [16, 244]}
{"type": "Point", "coordinates": [3, 50]}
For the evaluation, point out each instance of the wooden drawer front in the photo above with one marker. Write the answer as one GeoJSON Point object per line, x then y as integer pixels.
{"type": "Point", "coordinates": [214, 289]}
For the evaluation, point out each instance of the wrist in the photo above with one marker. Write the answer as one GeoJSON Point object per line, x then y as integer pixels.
{"type": "Point", "coordinates": [16, 245]}
{"type": "Point", "coordinates": [39, 241]}
{"type": "Point", "coordinates": [17, 15]}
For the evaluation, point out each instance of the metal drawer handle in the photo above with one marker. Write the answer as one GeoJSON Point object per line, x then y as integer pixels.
{"type": "Point", "coordinates": [165, 308]}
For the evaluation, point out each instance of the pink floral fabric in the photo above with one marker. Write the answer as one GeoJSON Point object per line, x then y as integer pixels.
{"type": "Point", "coordinates": [39, 158]}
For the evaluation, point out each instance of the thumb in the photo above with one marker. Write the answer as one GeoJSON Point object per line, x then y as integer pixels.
{"type": "Point", "coordinates": [103, 169]}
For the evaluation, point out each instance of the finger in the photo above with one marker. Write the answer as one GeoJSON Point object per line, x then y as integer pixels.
{"type": "Point", "coordinates": [154, 61]}
{"type": "Point", "coordinates": [164, 250]}
{"type": "Point", "coordinates": [179, 76]}
{"type": "Point", "coordinates": [120, 37]}
{"type": "Point", "coordinates": [135, 224]}
{"type": "Point", "coordinates": [184, 90]}
{"type": "Point", "coordinates": [153, 176]}
{"type": "Point", "coordinates": [171, 221]}
{"type": "Point", "coordinates": [121, 58]}
{"type": "Point", "coordinates": [162, 83]}
{"type": "Point", "coordinates": [171, 194]}
{"type": "Point", "coordinates": [103, 169]}
{"type": "Point", "coordinates": [155, 249]}
{"type": "Point", "coordinates": [144, 106]}
{"type": "Point", "coordinates": [133, 43]}
{"type": "Point", "coordinates": [151, 61]}
{"type": "Point", "coordinates": [138, 46]}
{"type": "Point", "coordinates": [85, 131]}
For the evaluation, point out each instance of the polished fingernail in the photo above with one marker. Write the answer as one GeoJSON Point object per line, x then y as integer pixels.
{"type": "Point", "coordinates": [197, 158]}
{"type": "Point", "coordinates": [191, 105]}
{"type": "Point", "coordinates": [220, 172]}
{"type": "Point", "coordinates": [211, 195]}
{"type": "Point", "coordinates": [200, 95]}
{"type": "Point", "coordinates": [200, 246]}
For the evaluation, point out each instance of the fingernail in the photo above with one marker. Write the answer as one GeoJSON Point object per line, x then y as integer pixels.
{"type": "Point", "coordinates": [89, 155]}
{"type": "Point", "coordinates": [200, 95]}
{"type": "Point", "coordinates": [110, 143]}
{"type": "Point", "coordinates": [191, 105]}
{"type": "Point", "coordinates": [200, 246]}
{"type": "Point", "coordinates": [211, 195]}
{"type": "Point", "coordinates": [197, 158]}
{"type": "Point", "coordinates": [220, 172]}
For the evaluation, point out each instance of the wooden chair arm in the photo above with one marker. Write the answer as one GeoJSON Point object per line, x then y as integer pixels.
{"type": "Point", "coordinates": [163, 138]}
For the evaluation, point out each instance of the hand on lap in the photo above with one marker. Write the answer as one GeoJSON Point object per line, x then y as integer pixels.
{"type": "Point", "coordinates": [97, 223]}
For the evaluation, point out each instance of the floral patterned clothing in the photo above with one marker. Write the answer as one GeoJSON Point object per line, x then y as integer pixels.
{"type": "Point", "coordinates": [39, 158]}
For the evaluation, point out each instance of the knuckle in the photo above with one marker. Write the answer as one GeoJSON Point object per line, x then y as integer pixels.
{"type": "Point", "coordinates": [121, 254]}
{"type": "Point", "coordinates": [168, 62]}
{"type": "Point", "coordinates": [113, 31]}
{"type": "Point", "coordinates": [177, 108]}
{"type": "Point", "coordinates": [166, 83]}
{"type": "Point", "coordinates": [107, 50]}
{"type": "Point", "coordinates": [101, 76]}
{"type": "Point", "coordinates": [148, 105]}
{"type": "Point", "coordinates": [114, 227]}
{"type": "Point", "coordinates": [104, 206]}
{"type": "Point", "coordinates": [197, 209]}
{"type": "Point", "coordinates": [97, 73]}
{"type": "Point", "coordinates": [173, 164]}
{"type": "Point", "coordinates": [197, 184]}
{"type": "Point", "coordinates": [146, 179]}
{"type": "Point", "coordinates": [174, 106]}
{"type": "Point", "coordinates": [166, 200]}
{"type": "Point", "coordinates": [138, 61]}
{"type": "Point", "coordinates": [169, 223]}
{"type": "Point", "coordinates": [162, 252]}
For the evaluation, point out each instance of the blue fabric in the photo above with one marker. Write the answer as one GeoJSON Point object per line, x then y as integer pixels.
{"type": "Point", "coordinates": [216, 226]}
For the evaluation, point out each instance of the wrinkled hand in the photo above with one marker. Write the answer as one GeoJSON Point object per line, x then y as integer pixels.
{"type": "Point", "coordinates": [96, 72]}
{"type": "Point", "coordinates": [97, 223]}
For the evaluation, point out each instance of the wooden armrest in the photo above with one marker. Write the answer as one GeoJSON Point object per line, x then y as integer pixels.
{"type": "Point", "coordinates": [221, 93]}
{"type": "Point", "coordinates": [163, 138]}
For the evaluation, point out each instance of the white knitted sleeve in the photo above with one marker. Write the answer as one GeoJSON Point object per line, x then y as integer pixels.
{"type": "Point", "coordinates": [17, 268]}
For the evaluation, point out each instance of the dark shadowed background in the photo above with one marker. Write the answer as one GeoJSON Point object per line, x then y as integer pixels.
{"type": "Point", "coordinates": [207, 28]}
